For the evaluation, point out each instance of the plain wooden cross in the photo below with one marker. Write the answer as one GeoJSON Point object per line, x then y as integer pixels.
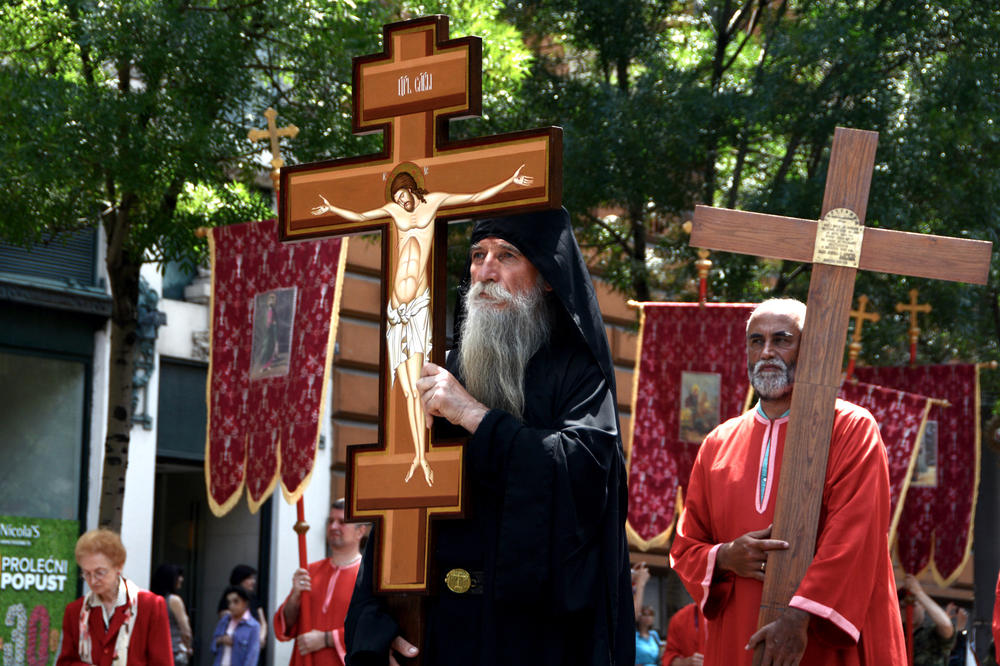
{"type": "Point", "coordinates": [914, 309]}
{"type": "Point", "coordinates": [837, 246]}
{"type": "Point", "coordinates": [859, 316]}
{"type": "Point", "coordinates": [409, 92]}
{"type": "Point", "coordinates": [273, 133]}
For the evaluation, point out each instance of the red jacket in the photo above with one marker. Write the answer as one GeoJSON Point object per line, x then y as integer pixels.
{"type": "Point", "coordinates": [150, 644]}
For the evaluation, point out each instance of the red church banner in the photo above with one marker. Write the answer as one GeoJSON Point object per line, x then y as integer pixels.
{"type": "Point", "coordinates": [901, 418]}
{"type": "Point", "coordinates": [690, 375]}
{"type": "Point", "coordinates": [274, 309]}
{"type": "Point", "coordinates": [935, 529]}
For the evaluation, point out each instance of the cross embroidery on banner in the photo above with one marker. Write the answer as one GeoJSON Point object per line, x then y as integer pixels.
{"type": "Point", "coordinates": [838, 245]}
{"type": "Point", "coordinates": [409, 93]}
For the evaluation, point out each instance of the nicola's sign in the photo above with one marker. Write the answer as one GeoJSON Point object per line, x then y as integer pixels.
{"type": "Point", "coordinates": [38, 577]}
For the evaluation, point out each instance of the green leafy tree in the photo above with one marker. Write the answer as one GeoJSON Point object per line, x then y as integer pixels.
{"type": "Point", "coordinates": [735, 103]}
{"type": "Point", "coordinates": [133, 115]}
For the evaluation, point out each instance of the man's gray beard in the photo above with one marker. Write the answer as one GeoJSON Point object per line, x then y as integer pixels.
{"type": "Point", "coordinates": [772, 385]}
{"type": "Point", "coordinates": [497, 343]}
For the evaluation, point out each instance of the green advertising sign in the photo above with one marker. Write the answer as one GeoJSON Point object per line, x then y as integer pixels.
{"type": "Point", "coordinates": [37, 579]}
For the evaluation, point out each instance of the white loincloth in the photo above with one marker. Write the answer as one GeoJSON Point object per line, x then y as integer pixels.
{"type": "Point", "coordinates": [408, 332]}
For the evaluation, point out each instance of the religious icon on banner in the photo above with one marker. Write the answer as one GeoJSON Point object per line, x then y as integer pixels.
{"type": "Point", "coordinates": [699, 406]}
{"type": "Point", "coordinates": [413, 210]}
{"type": "Point", "coordinates": [925, 469]}
{"type": "Point", "coordinates": [273, 314]}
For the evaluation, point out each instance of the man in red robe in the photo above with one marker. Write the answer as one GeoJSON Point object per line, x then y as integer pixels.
{"type": "Point", "coordinates": [330, 583]}
{"type": "Point", "coordinates": [844, 611]}
{"type": "Point", "coordinates": [686, 636]}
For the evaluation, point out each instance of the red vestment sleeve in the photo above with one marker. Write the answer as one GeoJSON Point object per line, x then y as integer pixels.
{"type": "Point", "coordinates": [693, 552]}
{"type": "Point", "coordinates": [853, 528]}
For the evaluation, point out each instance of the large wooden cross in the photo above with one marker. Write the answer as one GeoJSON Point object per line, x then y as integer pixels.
{"type": "Point", "coordinates": [837, 246]}
{"type": "Point", "coordinates": [409, 92]}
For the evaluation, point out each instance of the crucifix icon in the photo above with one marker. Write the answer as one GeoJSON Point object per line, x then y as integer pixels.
{"type": "Point", "coordinates": [409, 93]}
{"type": "Point", "coordinates": [837, 246]}
{"type": "Point", "coordinates": [273, 133]}
{"type": "Point", "coordinates": [914, 309]}
{"type": "Point", "coordinates": [860, 316]}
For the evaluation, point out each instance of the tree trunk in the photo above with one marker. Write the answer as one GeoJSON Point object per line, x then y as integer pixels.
{"type": "Point", "coordinates": [123, 275]}
{"type": "Point", "coordinates": [640, 277]}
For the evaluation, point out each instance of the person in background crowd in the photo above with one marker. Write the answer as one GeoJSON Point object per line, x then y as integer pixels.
{"type": "Point", "coordinates": [648, 646]}
{"type": "Point", "coordinates": [236, 641]}
{"type": "Point", "coordinates": [166, 582]}
{"type": "Point", "coordinates": [933, 633]}
{"type": "Point", "coordinates": [245, 576]}
{"type": "Point", "coordinates": [116, 621]}
{"type": "Point", "coordinates": [686, 636]}
{"type": "Point", "coordinates": [640, 576]}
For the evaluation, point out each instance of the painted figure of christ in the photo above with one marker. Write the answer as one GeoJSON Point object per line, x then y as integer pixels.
{"type": "Point", "coordinates": [408, 332]}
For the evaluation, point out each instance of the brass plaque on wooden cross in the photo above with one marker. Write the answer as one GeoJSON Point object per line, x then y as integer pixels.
{"type": "Point", "coordinates": [821, 349]}
{"type": "Point", "coordinates": [409, 92]}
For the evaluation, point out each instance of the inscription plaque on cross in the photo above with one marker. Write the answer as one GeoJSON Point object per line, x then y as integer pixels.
{"type": "Point", "coordinates": [409, 93]}
{"type": "Point", "coordinates": [837, 246]}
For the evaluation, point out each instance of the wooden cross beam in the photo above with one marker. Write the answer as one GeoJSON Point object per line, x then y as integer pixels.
{"type": "Point", "coordinates": [914, 309]}
{"type": "Point", "coordinates": [409, 92]}
{"type": "Point", "coordinates": [859, 316]}
{"type": "Point", "coordinates": [837, 246]}
{"type": "Point", "coordinates": [273, 133]}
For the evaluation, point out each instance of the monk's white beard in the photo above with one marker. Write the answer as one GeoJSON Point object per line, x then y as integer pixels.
{"type": "Point", "coordinates": [497, 343]}
{"type": "Point", "coordinates": [772, 385]}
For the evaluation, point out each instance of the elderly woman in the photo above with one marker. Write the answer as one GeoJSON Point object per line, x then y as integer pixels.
{"type": "Point", "coordinates": [116, 623]}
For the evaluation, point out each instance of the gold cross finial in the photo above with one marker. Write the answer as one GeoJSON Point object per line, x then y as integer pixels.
{"type": "Point", "coordinates": [914, 309]}
{"type": "Point", "coordinates": [273, 132]}
{"type": "Point", "coordinates": [860, 316]}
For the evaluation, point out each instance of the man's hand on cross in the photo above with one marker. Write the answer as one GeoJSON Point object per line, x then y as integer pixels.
{"type": "Point", "coordinates": [747, 555]}
{"type": "Point", "coordinates": [443, 396]}
{"type": "Point", "coordinates": [784, 639]}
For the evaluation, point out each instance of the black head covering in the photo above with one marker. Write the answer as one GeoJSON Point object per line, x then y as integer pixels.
{"type": "Point", "coordinates": [546, 239]}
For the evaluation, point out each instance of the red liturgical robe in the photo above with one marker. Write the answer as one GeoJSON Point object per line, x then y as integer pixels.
{"type": "Point", "coordinates": [848, 588]}
{"type": "Point", "coordinates": [332, 587]}
{"type": "Point", "coordinates": [686, 634]}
